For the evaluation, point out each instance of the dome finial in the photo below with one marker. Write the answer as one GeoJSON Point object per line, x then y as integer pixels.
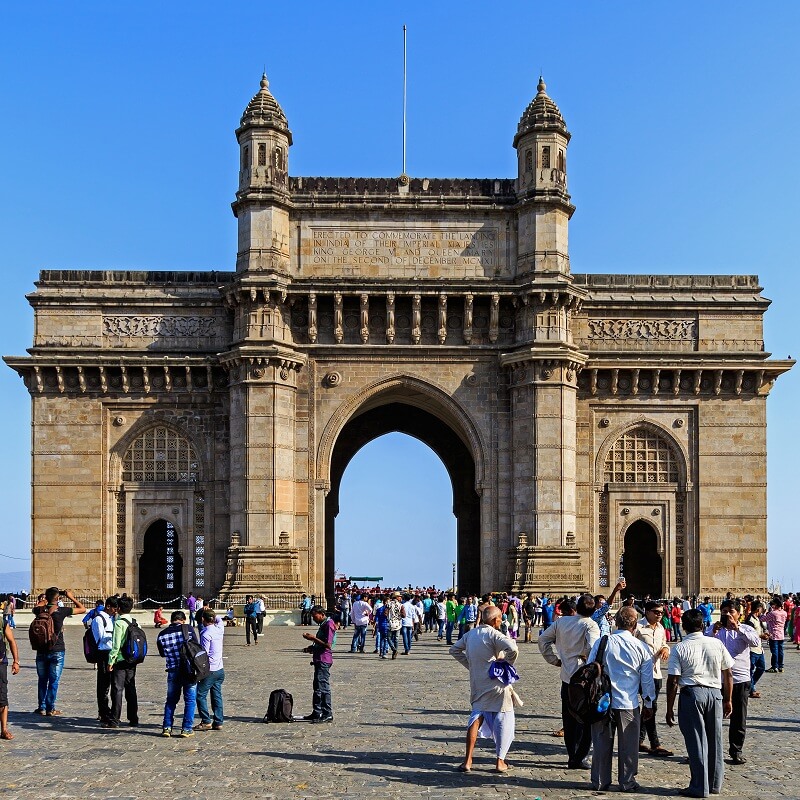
{"type": "Point", "coordinates": [264, 81]}
{"type": "Point", "coordinates": [542, 86]}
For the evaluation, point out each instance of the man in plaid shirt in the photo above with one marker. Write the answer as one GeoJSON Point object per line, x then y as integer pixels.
{"type": "Point", "coordinates": [169, 643]}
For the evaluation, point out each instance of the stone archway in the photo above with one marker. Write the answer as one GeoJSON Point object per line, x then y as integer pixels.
{"type": "Point", "coordinates": [641, 562]}
{"type": "Point", "coordinates": [455, 455]}
{"type": "Point", "coordinates": [161, 563]}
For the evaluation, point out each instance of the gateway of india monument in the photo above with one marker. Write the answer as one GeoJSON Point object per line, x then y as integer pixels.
{"type": "Point", "coordinates": [190, 430]}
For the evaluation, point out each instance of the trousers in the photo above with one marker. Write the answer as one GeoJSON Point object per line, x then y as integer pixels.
{"type": "Point", "coordinates": [577, 736]}
{"type": "Point", "coordinates": [648, 727]}
{"type": "Point", "coordinates": [738, 726]}
{"type": "Point", "coordinates": [625, 722]}
{"type": "Point", "coordinates": [700, 722]}
{"type": "Point", "coordinates": [322, 700]}
{"type": "Point", "coordinates": [123, 684]}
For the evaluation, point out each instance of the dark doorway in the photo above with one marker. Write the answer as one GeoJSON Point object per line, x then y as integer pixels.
{"type": "Point", "coordinates": [641, 563]}
{"type": "Point", "coordinates": [456, 457]}
{"type": "Point", "coordinates": [161, 564]}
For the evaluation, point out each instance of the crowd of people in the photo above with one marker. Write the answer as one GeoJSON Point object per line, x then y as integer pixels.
{"type": "Point", "coordinates": [712, 666]}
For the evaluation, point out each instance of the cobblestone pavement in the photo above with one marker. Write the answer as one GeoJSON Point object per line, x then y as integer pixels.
{"type": "Point", "coordinates": [398, 732]}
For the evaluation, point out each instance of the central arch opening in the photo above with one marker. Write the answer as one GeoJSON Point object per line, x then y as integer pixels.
{"type": "Point", "coordinates": [457, 459]}
{"type": "Point", "coordinates": [641, 561]}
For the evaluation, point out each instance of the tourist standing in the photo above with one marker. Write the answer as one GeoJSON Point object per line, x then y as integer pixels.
{"type": "Point", "coordinates": [441, 617]}
{"type": "Point", "coordinates": [361, 614]}
{"type": "Point", "coordinates": [492, 699]}
{"type": "Point", "coordinates": [566, 644]}
{"type": "Point", "coordinates": [261, 610]}
{"type": "Point", "coordinates": [321, 649]}
{"type": "Point", "coordinates": [191, 605]}
{"type": "Point", "coordinates": [757, 662]}
{"type": "Point", "coordinates": [7, 643]}
{"type": "Point", "coordinates": [211, 635]}
{"type": "Point", "coordinates": [775, 619]}
{"type": "Point", "coordinates": [103, 629]}
{"type": "Point", "coordinates": [528, 615]}
{"type": "Point", "coordinates": [651, 632]}
{"type": "Point", "coordinates": [250, 620]}
{"type": "Point", "coordinates": [628, 663]}
{"type": "Point", "coordinates": [602, 607]}
{"type": "Point", "coordinates": [50, 654]}
{"type": "Point", "coordinates": [451, 607]}
{"type": "Point", "coordinates": [305, 610]}
{"type": "Point", "coordinates": [706, 608]}
{"type": "Point", "coordinates": [383, 641]}
{"type": "Point", "coordinates": [700, 667]}
{"type": "Point", "coordinates": [170, 644]}
{"type": "Point", "coordinates": [407, 623]}
{"type": "Point", "coordinates": [123, 672]}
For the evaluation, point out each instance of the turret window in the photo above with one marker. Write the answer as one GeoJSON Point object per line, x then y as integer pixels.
{"type": "Point", "coordinates": [262, 155]}
{"type": "Point", "coordinates": [561, 164]}
{"type": "Point", "coordinates": [246, 157]}
{"type": "Point", "coordinates": [528, 161]}
{"type": "Point", "coordinates": [546, 157]}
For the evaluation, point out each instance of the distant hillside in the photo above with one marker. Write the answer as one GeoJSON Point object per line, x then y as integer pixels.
{"type": "Point", "coordinates": [14, 581]}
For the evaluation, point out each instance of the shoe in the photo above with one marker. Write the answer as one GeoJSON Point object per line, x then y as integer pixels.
{"type": "Point", "coordinates": [771, 669]}
{"type": "Point", "coordinates": [755, 694]}
{"type": "Point", "coordinates": [464, 768]}
{"type": "Point", "coordinates": [631, 789]}
{"type": "Point", "coordinates": [54, 713]}
{"type": "Point", "coordinates": [780, 669]}
{"type": "Point", "coordinates": [186, 734]}
{"type": "Point", "coordinates": [329, 718]}
{"type": "Point", "coordinates": [216, 727]}
{"type": "Point", "coordinates": [738, 758]}
{"type": "Point", "coordinates": [643, 748]}
{"type": "Point", "coordinates": [166, 732]}
{"type": "Point", "coordinates": [40, 711]}
{"type": "Point", "coordinates": [661, 751]}
{"type": "Point", "coordinates": [601, 788]}
{"type": "Point", "coordinates": [687, 792]}
{"type": "Point", "coordinates": [134, 723]}
{"type": "Point", "coordinates": [405, 652]}
{"type": "Point", "coordinates": [6, 735]}
{"type": "Point", "coordinates": [203, 726]}
{"type": "Point", "coordinates": [310, 717]}
{"type": "Point", "coordinates": [382, 656]}
{"type": "Point", "coordinates": [394, 654]}
{"type": "Point", "coordinates": [109, 723]}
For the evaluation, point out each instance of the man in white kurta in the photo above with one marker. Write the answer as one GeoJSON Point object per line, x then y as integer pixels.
{"type": "Point", "coordinates": [492, 700]}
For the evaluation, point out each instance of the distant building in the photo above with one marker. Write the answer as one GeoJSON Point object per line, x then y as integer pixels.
{"type": "Point", "coordinates": [191, 429]}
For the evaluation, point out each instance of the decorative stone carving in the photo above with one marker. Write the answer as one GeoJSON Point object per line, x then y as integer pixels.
{"type": "Point", "coordinates": [605, 422]}
{"type": "Point", "coordinates": [338, 330]}
{"type": "Point", "coordinates": [333, 379]}
{"type": "Point", "coordinates": [416, 319]}
{"type": "Point", "coordinates": [468, 300]}
{"type": "Point", "coordinates": [442, 332]}
{"type": "Point", "coordinates": [159, 326]}
{"type": "Point", "coordinates": [118, 421]}
{"type": "Point", "coordinates": [312, 318]}
{"type": "Point", "coordinates": [644, 329]}
{"type": "Point", "coordinates": [472, 379]}
{"type": "Point", "coordinates": [494, 317]}
{"type": "Point", "coordinates": [364, 318]}
{"type": "Point", "coordinates": [390, 318]}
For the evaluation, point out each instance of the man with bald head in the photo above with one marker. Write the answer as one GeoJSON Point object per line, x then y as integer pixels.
{"type": "Point", "coordinates": [629, 665]}
{"type": "Point", "coordinates": [492, 699]}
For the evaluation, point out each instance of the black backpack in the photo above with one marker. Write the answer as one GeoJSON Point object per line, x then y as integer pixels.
{"type": "Point", "coordinates": [589, 690]}
{"type": "Point", "coordinates": [194, 659]}
{"type": "Point", "coordinates": [134, 648]}
{"type": "Point", "coordinates": [91, 650]}
{"type": "Point", "coordinates": [279, 708]}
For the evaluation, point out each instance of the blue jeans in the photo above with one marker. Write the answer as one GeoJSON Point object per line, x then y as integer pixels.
{"type": "Point", "coordinates": [175, 685]}
{"type": "Point", "coordinates": [359, 638]}
{"type": "Point", "coordinates": [49, 667]}
{"type": "Point", "coordinates": [775, 650]}
{"type": "Point", "coordinates": [213, 683]}
{"type": "Point", "coordinates": [10, 621]}
{"type": "Point", "coordinates": [408, 635]}
{"type": "Point", "coordinates": [757, 666]}
{"type": "Point", "coordinates": [440, 634]}
{"type": "Point", "coordinates": [388, 640]}
{"type": "Point", "coordinates": [449, 629]}
{"type": "Point", "coordinates": [322, 701]}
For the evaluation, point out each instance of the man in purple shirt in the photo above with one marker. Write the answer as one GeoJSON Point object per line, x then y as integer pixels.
{"type": "Point", "coordinates": [321, 649]}
{"type": "Point", "coordinates": [211, 633]}
{"type": "Point", "coordinates": [738, 638]}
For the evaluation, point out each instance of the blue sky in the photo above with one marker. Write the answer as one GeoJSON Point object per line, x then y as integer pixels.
{"type": "Point", "coordinates": [117, 151]}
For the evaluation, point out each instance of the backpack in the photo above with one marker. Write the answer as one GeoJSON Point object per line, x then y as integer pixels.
{"type": "Point", "coordinates": [42, 631]}
{"type": "Point", "coordinates": [134, 648]}
{"type": "Point", "coordinates": [279, 708]}
{"type": "Point", "coordinates": [91, 650]}
{"type": "Point", "coordinates": [589, 690]}
{"type": "Point", "coordinates": [194, 659]}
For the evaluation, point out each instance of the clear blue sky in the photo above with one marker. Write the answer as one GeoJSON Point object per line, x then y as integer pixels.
{"type": "Point", "coordinates": [117, 151]}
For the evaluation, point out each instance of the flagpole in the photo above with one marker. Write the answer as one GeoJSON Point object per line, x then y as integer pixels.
{"type": "Point", "coordinates": [404, 100]}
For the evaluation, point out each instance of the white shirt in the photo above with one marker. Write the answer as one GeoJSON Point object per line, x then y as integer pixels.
{"type": "Point", "coordinates": [441, 611]}
{"type": "Point", "coordinates": [629, 665]}
{"type": "Point", "coordinates": [699, 660]}
{"type": "Point", "coordinates": [655, 638]}
{"type": "Point", "coordinates": [261, 607]}
{"type": "Point", "coordinates": [361, 612]}
{"type": "Point", "coordinates": [568, 641]}
{"type": "Point", "coordinates": [102, 628]}
{"type": "Point", "coordinates": [412, 613]}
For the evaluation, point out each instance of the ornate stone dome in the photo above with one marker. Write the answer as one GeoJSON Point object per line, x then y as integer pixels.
{"type": "Point", "coordinates": [263, 111]}
{"type": "Point", "coordinates": [541, 115]}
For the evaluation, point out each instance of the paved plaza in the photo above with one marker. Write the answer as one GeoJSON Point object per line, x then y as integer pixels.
{"type": "Point", "coordinates": [398, 732]}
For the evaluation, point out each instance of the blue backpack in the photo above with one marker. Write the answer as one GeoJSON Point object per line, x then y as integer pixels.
{"type": "Point", "coordinates": [134, 648]}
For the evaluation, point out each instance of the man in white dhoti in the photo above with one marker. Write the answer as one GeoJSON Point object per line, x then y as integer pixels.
{"type": "Point", "coordinates": [492, 699]}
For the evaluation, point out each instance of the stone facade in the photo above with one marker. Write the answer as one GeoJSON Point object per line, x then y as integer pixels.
{"type": "Point", "coordinates": [190, 430]}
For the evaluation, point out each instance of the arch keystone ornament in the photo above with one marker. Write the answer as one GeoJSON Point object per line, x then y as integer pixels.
{"type": "Point", "coordinates": [443, 308]}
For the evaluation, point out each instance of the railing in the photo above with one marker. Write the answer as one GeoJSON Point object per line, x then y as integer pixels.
{"type": "Point", "coordinates": [287, 601]}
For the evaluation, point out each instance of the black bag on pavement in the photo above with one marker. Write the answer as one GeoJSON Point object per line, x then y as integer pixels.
{"type": "Point", "coordinates": [194, 659]}
{"type": "Point", "coordinates": [589, 690]}
{"type": "Point", "coordinates": [279, 708]}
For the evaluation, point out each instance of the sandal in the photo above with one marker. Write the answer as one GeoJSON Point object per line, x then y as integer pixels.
{"type": "Point", "coordinates": [7, 735]}
{"type": "Point", "coordinates": [559, 734]}
{"type": "Point", "coordinates": [661, 751]}
{"type": "Point", "coordinates": [54, 713]}
{"type": "Point", "coordinates": [464, 768]}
